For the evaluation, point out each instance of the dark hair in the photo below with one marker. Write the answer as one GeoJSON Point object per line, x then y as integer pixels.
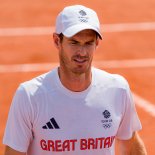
{"type": "Point", "coordinates": [61, 37]}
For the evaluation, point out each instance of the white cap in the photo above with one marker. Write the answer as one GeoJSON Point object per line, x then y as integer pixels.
{"type": "Point", "coordinates": [76, 18]}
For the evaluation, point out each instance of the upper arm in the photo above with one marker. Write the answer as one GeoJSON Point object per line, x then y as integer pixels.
{"type": "Point", "coordinates": [18, 132]}
{"type": "Point", "coordinates": [132, 146]}
{"type": "Point", "coordinates": [10, 151]}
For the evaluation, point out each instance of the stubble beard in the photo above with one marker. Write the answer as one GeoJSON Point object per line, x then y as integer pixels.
{"type": "Point", "coordinates": [69, 66]}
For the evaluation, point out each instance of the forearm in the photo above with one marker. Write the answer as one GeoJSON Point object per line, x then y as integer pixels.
{"type": "Point", "coordinates": [10, 151]}
{"type": "Point", "coordinates": [138, 147]}
{"type": "Point", "coordinates": [133, 146]}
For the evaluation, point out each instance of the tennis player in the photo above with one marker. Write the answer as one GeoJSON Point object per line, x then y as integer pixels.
{"type": "Point", "coordinates": [75, 109]}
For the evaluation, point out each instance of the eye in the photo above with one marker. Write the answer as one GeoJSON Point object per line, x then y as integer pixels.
{"type": "Point", "coordinates": [90, 43]}
{"type": "Point", "coordinates": [73, 42]}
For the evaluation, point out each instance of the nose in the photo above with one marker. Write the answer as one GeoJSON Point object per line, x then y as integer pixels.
{"type": "Point", "coordinates": [82, 51]}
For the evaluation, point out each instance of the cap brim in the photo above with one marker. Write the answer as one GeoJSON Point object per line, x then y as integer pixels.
{"type": "Point", "coordinates": [71, 31]}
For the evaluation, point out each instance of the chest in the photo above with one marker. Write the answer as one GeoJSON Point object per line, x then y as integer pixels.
{"type": "Point", "coordinates": [64, 123]}
{"type": "Point", "coordinates": [61, 117]}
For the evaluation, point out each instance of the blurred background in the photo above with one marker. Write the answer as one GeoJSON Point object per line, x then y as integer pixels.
{"type": "Point", "coordinates": [128, 48]}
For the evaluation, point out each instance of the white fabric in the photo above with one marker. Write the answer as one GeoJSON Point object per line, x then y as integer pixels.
{"type": "Point", "coordinates": [76, 18]}
{"type": "Point", "coordinates": [88, 121]}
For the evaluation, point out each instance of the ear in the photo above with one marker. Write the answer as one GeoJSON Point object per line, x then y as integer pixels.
{"type": "Point", "coordinates": [56, 40]}
{"type": "Point", "coordinates": [97, 42]}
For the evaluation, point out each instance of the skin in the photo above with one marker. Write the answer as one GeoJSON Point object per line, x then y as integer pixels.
{"type": "Point", "coordinates": [76, 55]}
{"type": "Point", "coordinates": [133, 146]}
{"type": "Point", "coordinates": [10, 151]}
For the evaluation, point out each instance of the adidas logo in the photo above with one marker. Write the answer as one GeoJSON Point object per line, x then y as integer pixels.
{"type": "Point", "coordinates": [52, 124]}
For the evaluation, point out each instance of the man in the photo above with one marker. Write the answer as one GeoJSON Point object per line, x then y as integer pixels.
{"type": "Point", "coordinates": [74, 109]}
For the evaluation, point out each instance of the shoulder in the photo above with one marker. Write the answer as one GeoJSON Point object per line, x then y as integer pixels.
{"type": "Point", "coordinates": [38, 84]}
{"type": "Point", "coordinates": [111, 80]}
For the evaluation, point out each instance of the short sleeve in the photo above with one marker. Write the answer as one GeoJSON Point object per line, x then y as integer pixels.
{"type": "Point", "coordinates": [18, 132]}
{"type": "Point", "coordinates": [130, 121]}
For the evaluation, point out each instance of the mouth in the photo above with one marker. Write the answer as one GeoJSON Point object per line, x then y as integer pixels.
{"type": "Point", "coordinates": [80, 61]}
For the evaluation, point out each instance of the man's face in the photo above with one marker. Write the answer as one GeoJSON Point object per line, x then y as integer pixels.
{"type": "Point", "coordinates": [76, 53]}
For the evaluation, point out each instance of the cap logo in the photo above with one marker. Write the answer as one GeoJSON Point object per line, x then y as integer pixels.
{"type": "Point", "coordinates": [83, 18]}
{"type": "Point", "coordinates": [82, 13]}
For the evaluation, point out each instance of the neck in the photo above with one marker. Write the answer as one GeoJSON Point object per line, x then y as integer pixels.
{"type": "Point", "coordinates": [75, 82]}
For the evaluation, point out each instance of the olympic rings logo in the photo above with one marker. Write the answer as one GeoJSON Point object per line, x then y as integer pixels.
{"type": "Point", "coordinates": [107, 125]}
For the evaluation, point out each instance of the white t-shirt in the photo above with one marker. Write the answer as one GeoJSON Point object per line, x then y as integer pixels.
{"type": "Point", "coordinates": [45, 118]}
